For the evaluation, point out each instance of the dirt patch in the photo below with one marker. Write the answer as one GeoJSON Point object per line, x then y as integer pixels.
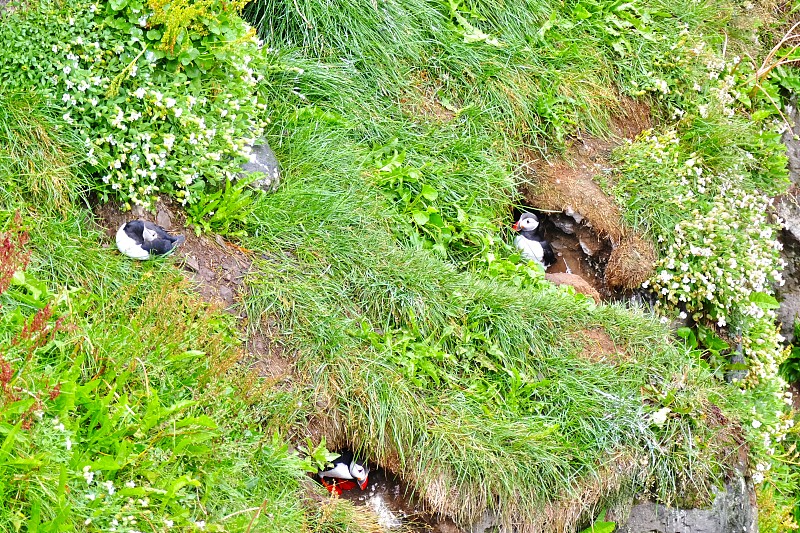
{"type": "Point", "coordinates": [268, 357]}
{"type": "Point", "coordinates": [581, 213]}
{"type": "Point", "coordinates": [732, 448]}
{"type": "Point", "coordinates": [598, 347]}
{"type": "Point", "coordinates": [216, 267]}
{"type": "Point", "coordinates": [573, 280]}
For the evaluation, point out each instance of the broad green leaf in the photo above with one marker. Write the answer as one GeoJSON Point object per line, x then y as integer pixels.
{"type": "Point", "coordinates": [764, 301]}
{"type": "Point", "coordinates": [429, 192]}
{"type": "Point", "coordinates": [420, 217]}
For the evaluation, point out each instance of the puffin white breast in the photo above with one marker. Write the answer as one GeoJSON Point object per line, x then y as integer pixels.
{"type": "Point", "coordinates": [531, 250]}
{"type": "Point", "coordinates": [129, 247]}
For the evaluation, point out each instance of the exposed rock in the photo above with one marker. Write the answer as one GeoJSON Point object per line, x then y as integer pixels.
{"type": "Point", "coordinates": [226, 294]}
{"type": "Point", "coordinates": [581, 285]}
{"type": "Point", "coordinates": [733, 511]}
{"type": "Point", "coordinates": [263, 160]}
{"type": "Point", "coordinates": [191, 263]}
{"type": "Point", "coordinates": [590, 243]}
{"type": "Point", "coordinates": [487, 524]}
{"type": "Point", "coordinates": [788, 208]}
{"type": "Point", "coordinates": [577, 217]}
{"type": "Point", "coordinates": [163, 219]}
{"type": "Point", "coordinates": [564, 223]}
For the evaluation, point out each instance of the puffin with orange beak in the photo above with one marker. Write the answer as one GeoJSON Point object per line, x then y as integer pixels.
{"type": "Point", "coordinates": [345, 474]}
{"type": "Point", "coordinates": [531, 246]}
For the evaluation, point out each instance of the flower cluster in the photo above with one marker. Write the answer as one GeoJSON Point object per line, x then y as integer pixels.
{"type": "Point", "coordinates": [702, 189]}
{"type": "Point", "coordinates": [151, 122]}
{"type": "Point", "coordinates": [720, 257]}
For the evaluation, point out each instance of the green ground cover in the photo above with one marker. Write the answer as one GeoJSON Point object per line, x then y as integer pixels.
{"type": "Point", "coordinates": [420, 339]}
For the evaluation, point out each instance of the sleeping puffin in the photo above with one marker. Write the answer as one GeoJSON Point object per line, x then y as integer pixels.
{"type": "Point", "coordinates": [345, 474]}
{"type": "Point", "coordinates": [532, 247]}
{"type": "Point", "coordinates": [140, 239]}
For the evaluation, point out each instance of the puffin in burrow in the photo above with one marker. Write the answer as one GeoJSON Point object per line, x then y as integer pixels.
{"type": "Point", "coordinates": [531, 245]}
{"type": "Point", "coordinates": [140, 239]}
{"type": "Point", "coordinates": [345, 474]}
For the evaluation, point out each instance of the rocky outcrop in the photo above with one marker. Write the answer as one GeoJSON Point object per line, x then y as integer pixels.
{"type": "Point", "coordinates": [264, 160]}
{"type": "Point", "coordinates": [733, 511]}
{"type": "Point", "coordinates": [788, 208]}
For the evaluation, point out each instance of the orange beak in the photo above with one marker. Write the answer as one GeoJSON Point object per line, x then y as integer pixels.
{"type": "Point", "coordinates": [363, 484]}
{"type": "Point", "coordinates": [515, 226]}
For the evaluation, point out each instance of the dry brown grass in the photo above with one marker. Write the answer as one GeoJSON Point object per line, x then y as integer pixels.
{"type": "Point", "coordinates": [631, 263]}
{"type": "Point", "coordinates": [598, 347]}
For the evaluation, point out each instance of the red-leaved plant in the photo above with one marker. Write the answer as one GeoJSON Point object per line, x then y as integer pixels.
{"type": "Point", "coordinates": [36, 332]}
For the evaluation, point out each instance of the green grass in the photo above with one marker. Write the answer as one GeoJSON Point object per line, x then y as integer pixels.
{"type": "Point", "coordinates": [478, 389]}
{"type": "Point", "coordinates": [337, 281]}
{"type": "Point", "coordinates": [144, 380]}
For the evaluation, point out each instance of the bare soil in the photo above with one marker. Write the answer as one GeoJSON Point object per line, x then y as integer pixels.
{"type": "Point", "coordinates": [598, 347]}
{"type": "Point", "coordinates": [215, 266]}
{"type": "Point", "coordinates": [217, 269]}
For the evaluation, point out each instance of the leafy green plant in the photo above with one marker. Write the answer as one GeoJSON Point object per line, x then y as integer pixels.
{"type": "Point", "coordinates": [711, 351]}
{"type": "Point", "coordinates": [790, 368]}
{"type": "Point", "coordinates": [225, 211]}
{"type": "Point", "coordinates": [600, 525]}
{"type": "Point", "coordinates": [316, 458]}
{"type": "Point", "coordinates": [153, 117]}
{"type": "Point", "coordinates": [449, 229]}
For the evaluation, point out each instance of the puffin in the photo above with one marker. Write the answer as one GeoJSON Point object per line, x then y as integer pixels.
{"type": "Point", "coordinates": [532, 247]}
{"type": "Point", "coordinates": [345, 474]}
{"type": "Point", "coordinates": [140, 239]}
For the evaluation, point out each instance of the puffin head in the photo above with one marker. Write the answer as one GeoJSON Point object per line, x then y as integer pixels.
{"type": "Point", "coordinates": [148, 234]}
{"type": "Point", "coordinates": [526, 222]}
{"type": "Point", "coordinates": [359, 473]}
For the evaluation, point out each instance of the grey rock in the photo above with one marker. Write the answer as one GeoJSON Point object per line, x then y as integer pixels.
{"type": "Point", "coordinates": [792, 144]}
{"type": "Point", "coordinates": [570, 212]}
{"type": "Point", "coordinates": [206, 273]}
{"type": "Point", "coordinates": [733, 511]}
{"type": "Point", "coordinates": [788, 208]}
{"type": "Point", "coordinates": [564, 223]}
{"type": "Point", "coordinates": [589, 242]}
{"type": "Point", "coordinates": [263, 160]}
{"type": "Point", "coordinates": [226, 294]}
{"type": "Point", "coordinates": [788, 313]}
{"type": "Point", "coordinates": [163, 219]}
{"type": "Point", "coordinates": [488, 524]}
{"type": "Point", "coordinates": [192, 264]}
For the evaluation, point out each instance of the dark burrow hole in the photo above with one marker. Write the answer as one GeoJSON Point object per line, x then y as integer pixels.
{"type": "Point", "coordinates": [580, 251]}
{"type": "Point", "coordinates": [397, 508]}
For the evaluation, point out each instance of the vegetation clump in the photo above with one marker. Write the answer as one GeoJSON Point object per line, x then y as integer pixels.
{"type": "Point", "coordinates": [417, 335]}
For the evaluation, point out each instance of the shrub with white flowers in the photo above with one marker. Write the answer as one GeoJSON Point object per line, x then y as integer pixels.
{"type": "Point", "coordinates": [702, 189]}
{"type": "Point", "coordinates": [163, 95]}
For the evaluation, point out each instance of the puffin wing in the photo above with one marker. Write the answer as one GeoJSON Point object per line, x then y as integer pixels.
{"type": "Point", "coordinates": [159, 246]}
{"type": "Point", "coordinates": [339, 471]}
{"type": "Point", "coordinates": [549, 256]}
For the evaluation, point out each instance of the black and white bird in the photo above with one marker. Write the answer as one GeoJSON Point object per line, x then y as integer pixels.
{"type": "Point", "coordinates": [139, 239]}
{"type": "Point", "coordinates": [347, 469]}
{"type": "Point", "coordinates": [532, 246]}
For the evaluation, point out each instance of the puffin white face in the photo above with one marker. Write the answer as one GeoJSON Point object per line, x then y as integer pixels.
{"type": "Point", "coordinates": [148, 235]}
{"type": "Point", "coordinates": [360, 474]}
{"type": "Point", "coordinates": [528, 222]}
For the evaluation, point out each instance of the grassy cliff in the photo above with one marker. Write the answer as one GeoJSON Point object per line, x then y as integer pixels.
{"type": "Point", "coordinates": [406, 328]}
